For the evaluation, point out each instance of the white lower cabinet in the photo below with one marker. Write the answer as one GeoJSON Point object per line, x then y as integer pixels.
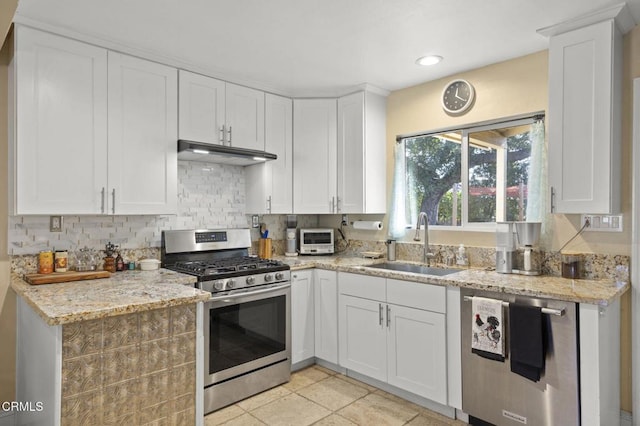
{"type": "Point", "coordinates": [325, 291]}
{"type": "Point", "coordinates": [302, 316]}
{"type": "Point", "coordinates": [395, 332]}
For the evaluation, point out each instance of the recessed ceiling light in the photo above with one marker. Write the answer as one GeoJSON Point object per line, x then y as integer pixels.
{"type": "Point", "coordinates": [428, 60]}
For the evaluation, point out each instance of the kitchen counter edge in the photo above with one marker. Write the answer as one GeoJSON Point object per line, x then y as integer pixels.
{"type": "Point", "coordinates": [123, 293]}
{"type": "Point", "coordinates": [593, 292]}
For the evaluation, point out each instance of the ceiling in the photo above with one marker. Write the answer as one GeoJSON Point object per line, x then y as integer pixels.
{"type": "Point", "coordinates": [316, 47]}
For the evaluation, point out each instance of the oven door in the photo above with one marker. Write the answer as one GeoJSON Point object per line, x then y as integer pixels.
{"type": "Point", "coordinates": [247, 330]}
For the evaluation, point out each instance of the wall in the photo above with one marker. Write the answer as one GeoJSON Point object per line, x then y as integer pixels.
{"type": "Point", "coordinates": [631, 70]}
{"type": "Point", "coordinates": [7, 297]}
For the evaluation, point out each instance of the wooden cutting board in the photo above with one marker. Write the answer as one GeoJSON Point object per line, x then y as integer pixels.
{"type": "Point", "coordinates": [63, 277]}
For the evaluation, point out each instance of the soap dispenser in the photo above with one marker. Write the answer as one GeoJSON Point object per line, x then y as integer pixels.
{"type": "Point", "coordinates": [461, 258]}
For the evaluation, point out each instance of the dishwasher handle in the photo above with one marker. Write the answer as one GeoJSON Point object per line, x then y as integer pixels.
{"type": "Point", "coordinates": [548, 311]}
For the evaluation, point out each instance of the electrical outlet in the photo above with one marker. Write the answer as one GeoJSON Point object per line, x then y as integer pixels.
{"type": "Point", "coordinates": [601, 222]}
{"type": "Point", "coordinates": [345, 219]}
{"type": "Point", "coordinates": [55, 223]}
{"type": "Point", "coordinates": [255, 221]}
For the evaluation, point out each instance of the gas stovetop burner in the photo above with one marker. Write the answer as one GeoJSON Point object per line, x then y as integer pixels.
{"type": "Point", "coordinates": [225, 266]}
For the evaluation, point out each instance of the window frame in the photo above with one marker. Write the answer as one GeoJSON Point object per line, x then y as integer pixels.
{"type": "Point", "coordinates": [501, 168]}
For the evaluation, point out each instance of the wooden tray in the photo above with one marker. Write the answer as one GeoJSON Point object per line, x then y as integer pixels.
{"type": "Point", "coordinates": [63, 277]}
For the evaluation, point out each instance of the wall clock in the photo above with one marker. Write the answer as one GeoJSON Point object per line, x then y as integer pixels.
{"type": "Point", "coordinates": [458, 96]}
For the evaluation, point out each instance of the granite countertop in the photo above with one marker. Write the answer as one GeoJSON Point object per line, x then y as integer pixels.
{"type": "Point", "coordinates": [595, 292]}
{"type": "Point", "coordinates": [123, 293]}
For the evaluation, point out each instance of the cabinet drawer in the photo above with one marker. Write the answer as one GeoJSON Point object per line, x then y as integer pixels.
{"type": "Point", "coordinates": [417, 295]}
{"type": "Point", "coordinates": [362, 286]}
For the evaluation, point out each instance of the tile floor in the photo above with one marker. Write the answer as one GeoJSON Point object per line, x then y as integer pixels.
{"type": "Point", "coordinates": [319, 396]}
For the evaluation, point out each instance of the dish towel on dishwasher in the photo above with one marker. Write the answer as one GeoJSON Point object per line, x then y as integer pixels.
{"type": "Point", "coordinates": [486, 328]}
{"type": "Point", "coordinates": [526, 343]}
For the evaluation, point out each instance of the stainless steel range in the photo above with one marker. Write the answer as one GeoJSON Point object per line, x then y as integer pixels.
{"type": "Point", "coordinates": [247, 321]}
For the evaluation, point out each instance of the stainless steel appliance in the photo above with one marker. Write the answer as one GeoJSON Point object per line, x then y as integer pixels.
{"type": "Point", "coordinates": [505, 247]}
{"type": "Point", "coordinates": [524, 260]}
{"type": "Point", "coordinates": [493, 394]}
{"type": "Point", "coordinates": [292, 242]}
{"type": "Point", "coordinates": [316, 241]}
{"type": "Point", "coordinates": [247, 321]}
{"type": "Point", "coordinates": [528, 234]}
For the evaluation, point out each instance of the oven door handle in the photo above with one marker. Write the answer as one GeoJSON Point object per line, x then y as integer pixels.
{"type": "Point", "coordinates": [232, 298]}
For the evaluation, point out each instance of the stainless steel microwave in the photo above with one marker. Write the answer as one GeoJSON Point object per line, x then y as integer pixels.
{"type": "Point", "coordinates": [316, 241]}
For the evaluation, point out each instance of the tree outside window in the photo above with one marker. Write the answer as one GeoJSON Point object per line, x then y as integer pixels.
{"type": "Point", "coordinates": [469, 177]}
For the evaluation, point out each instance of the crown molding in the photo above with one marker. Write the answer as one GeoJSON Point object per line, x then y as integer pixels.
{"type": "Point", "coordinates": [619, 12]}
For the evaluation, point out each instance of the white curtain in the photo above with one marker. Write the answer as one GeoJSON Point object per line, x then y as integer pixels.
{"type": "Point", "coordinates": [537, 185]}
{"type": "Point", "coordinates": [397, 215]}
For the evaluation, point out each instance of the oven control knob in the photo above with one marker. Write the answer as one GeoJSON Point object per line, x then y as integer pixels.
{"type": "Point", "coordinates": [268, 277]}
{"type": "Point", "coordinates": [231, 284]}
{"type": "Point", "coordinates": [218, 285]}
{"type": "Point", "coordinates": [279, 276]}
{"type": "Point", "coordinates": [251, 280]}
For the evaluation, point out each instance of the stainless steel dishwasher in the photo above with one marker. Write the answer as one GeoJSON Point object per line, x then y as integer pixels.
{"type": "Point", "coordinates": [492, 394]}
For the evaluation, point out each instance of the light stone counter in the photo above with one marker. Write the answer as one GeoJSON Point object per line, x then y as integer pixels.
{"type": "Point", "coordinates": [595, 292]}
{"type": "Point", "coordinates": [123, 293]}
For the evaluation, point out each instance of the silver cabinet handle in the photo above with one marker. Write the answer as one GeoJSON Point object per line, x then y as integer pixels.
{"type": "Point", "coordinates": [388, 316]}
{"type": "Point", "coordinates": [221, 137]}
{"type": "Point", "coordinates": [380, 313]}
{"type": "Point", "coordinates": [102, 201]}
{"type": "Point", "coordinates": [553, 199]}
{"type": "Point", "coordinates": [113, 200]}
{"type": "Point", "coordinates": [333, 204]}
{"type": "Point", "coordinates": [269, 204]}
{"type": "Point", "coordinates": [337, 204]}
{"type": "Point", "coordinates": [230, 134]}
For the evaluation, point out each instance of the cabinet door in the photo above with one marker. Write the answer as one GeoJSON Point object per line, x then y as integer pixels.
{"type": "Point", "coordinates": [584, 123]}
{"type": "Point", "coordinates": [417, 352]}
{"type": "Point", "coordinates": [362, 153]}
{"type": "Point", "coordinates": [202, 108]}
{"type": "Point", "coordinates": [314, 156]}
{"type": "Point", "coordinates": [60, 147]}
{"type": "Point", "coordinates": [351, 153]}
{"type": "Point", "coordinates": [245, 117]}
{"type": "Point", "coordinates": [269, 185]}
{"type": "Point", "coordinates": [302, 316]}
{"type": "Point", "coordinates": [326, 315]}
{"type": "Point", "coordinates": [362, 336]}
{"type": "Point", "coordinates": [143, 116]}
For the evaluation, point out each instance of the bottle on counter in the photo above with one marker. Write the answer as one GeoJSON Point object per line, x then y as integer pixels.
{"type": "Point", "coordinates": [45, 262]}
{"type": "Point", "coordinates": [119, 263]}
{"type": "Point", "coordinates": [61, 261]}
{"type": "Point", "coordinates": [461, 257]}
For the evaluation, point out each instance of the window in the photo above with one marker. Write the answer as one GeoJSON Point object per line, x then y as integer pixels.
{"type": "Point", "coordinates": [470, 177]}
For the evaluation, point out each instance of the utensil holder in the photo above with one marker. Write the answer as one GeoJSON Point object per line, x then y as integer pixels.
{"type": "Point", "coordinates": [264, 248]}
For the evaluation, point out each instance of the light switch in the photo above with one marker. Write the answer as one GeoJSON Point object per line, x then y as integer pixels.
{"type": "Point", "coordinates": [602, 223]}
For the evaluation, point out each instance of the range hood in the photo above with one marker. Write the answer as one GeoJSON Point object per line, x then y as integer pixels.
{"type": "Point", "coordinates": [222, 154]}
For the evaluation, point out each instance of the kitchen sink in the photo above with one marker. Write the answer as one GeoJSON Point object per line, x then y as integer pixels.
{"type": "Point", "coordinates": [416, 269]}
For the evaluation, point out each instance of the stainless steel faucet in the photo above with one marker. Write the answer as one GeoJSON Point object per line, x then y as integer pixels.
{"type": "Point", "coordinates": [426, 254]}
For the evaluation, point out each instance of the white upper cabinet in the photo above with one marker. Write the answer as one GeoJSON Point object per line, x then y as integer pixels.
{"type": "Point", "coordinates": [223, 113]}
{"type": "Point", "coordinates": [314, 156]}
{"type": "Point", "coordinates": [60, 115]}
{"type": "Point", "coordinates": [584, 119]}
{"type": "Point", "coordinates": [245, 117]}
{"type": "Point", "coordinates": [269, 185]}
{"type": "Point", "coordinates": [361, 153]}
{"type": "Point", "coordinates": [340, 154]}
{"type": "Point", "coordinates": [201, 108]}
{"type": "Point", "coordinates": [143, 130]}
{"type": "Point", "coordinates": [73, 154]}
